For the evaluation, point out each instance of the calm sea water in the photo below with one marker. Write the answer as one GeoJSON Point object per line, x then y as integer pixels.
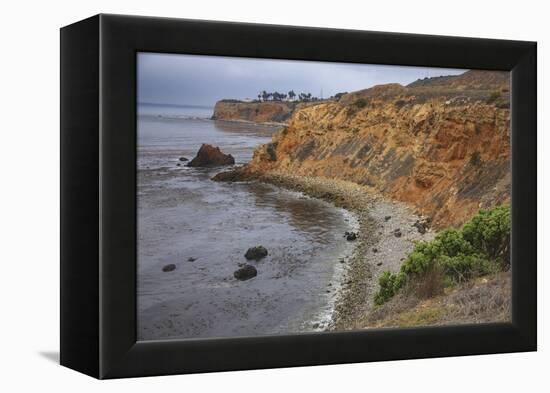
{"type": "Point", "coordinates": [205, 227]}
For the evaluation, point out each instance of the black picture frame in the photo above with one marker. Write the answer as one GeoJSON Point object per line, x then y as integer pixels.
{"type": "Point", "coordinates": [98, 195]}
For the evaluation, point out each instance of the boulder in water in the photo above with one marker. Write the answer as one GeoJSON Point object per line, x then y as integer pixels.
{"type": "Point", "coordinates": [245, 273]}
{"type": "Point", "coordinates": [168, 268]}
{"type": "Point", "coordinates": [210, 156]}
{"type": "Point", "coordinates": [256, 253]}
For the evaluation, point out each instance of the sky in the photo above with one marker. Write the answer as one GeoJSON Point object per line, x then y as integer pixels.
{"type": "Point", "coordinates": [202, 80]}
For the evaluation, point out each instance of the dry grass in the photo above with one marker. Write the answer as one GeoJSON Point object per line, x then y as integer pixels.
{"type": "Point", "coordinates": [483, 300]}
{"type": "Point", "coordinates": [429, 285]}
{"type": "Point", "coordinates": [487, 299]}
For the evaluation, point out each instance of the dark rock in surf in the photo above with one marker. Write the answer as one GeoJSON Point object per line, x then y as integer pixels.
{"type": "Point", "coordinates": [256, 253]}
{"type": "Point", "coordinates": [183, 159]}
{"type": "Point", "coordinates": [245, 273]}
{"type": "Point", "coordinates": [210, 156]}
{"type": "Point", "coordinates": [168, 268]}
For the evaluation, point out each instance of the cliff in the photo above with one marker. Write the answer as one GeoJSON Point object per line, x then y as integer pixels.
{"type": "Point", "coordinates": [257, 112]}
{"type": "Point", "coordinates": [439, 144]}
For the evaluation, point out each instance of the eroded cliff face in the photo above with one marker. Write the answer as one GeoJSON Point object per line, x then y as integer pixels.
{"type": "Point", "coordinates": [257, 112]}
{"type": "Point", "coordinates": [442, 147]}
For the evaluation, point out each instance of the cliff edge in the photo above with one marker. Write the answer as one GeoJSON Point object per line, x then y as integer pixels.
{"type": "Point", "coordinates": [440, 144]}
{"type": "Point", "coordinates": [256, 112]}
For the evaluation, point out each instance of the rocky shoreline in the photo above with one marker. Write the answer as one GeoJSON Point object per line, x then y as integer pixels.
{"type": "Point", "coordinates": [386, 234]}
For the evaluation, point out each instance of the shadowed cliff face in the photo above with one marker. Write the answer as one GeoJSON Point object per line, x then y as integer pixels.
{"type": "Point", "coordinates": [440, 144]}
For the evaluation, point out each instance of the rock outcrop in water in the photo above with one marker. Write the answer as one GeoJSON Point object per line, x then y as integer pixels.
{"type": "Point", "coordinates": [169, 268]}
{"type": "Point", "coordinates": [256, 253]}
{"type": "Point", "coordinates": [439, 144]}
{"type": "Point", "coordinates": [350, 236]}
{"type": "Point", "coordinates": [245, 273]}
{"type": "Point", "coordinates": [210, 156]}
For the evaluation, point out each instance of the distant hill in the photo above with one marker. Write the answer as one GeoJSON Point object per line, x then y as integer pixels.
{"type": "Point", "coordinates": [473, 79]}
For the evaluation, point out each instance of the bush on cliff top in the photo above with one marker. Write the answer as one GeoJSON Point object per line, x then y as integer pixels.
{"type": "Point", "coordinates": [360, 103]}
{"type": "Point", "coordinates": [482, 246]}
{"type": "Point", "coordinates": [493, 97]}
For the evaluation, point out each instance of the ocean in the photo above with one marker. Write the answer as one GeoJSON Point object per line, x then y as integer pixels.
{"type": "Point", "coordinates": [205, 227]}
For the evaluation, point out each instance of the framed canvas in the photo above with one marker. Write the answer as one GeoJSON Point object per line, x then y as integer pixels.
{"type": "Point", "coordinates": [241, 196]}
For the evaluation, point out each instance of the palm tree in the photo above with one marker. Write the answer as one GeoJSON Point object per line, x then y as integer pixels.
{"type": "Point", "coordinates": [291, 94]}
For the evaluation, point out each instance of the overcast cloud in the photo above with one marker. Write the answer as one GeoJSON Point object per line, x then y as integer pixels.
{"type": "Point", "coordinates": [203, 80]}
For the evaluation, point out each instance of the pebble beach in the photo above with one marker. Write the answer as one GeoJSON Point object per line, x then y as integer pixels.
{"type": "Point", "coordinates": [387, 232]}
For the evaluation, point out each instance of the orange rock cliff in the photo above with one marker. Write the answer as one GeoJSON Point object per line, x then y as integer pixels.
{"type": "Point", "coordinates": [440, 144]}
{"type": "Point", "coordinates": [257, 112]}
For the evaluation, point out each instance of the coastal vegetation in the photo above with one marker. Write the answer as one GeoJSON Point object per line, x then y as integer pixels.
{"type": "Point", "coordinates": [480, 247]}
{"type": "Point", "coordinates": [265, 96]}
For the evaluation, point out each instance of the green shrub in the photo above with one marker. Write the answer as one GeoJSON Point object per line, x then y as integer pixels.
{"type": "Point", "coordinates": [495, 95]}
{"type": "Point", "coordinates": [360, 103]}
{"type": "Point", "coordinates": [337, 96]}
{"type": "Point", "coordinates": [464, 267]}
{"type": "Point", "coordinates": [475, 158]}
{"type": "Point", "coordinates": [425, 255]}
{"type": "Point", "coordinates": [400, 103]}
{"type": "Point", "coordinates": [390, 283]}
{"type": "Point", "coordinates": [489, 233]}
{"type": "Point", "coordinates": [482, 246]}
